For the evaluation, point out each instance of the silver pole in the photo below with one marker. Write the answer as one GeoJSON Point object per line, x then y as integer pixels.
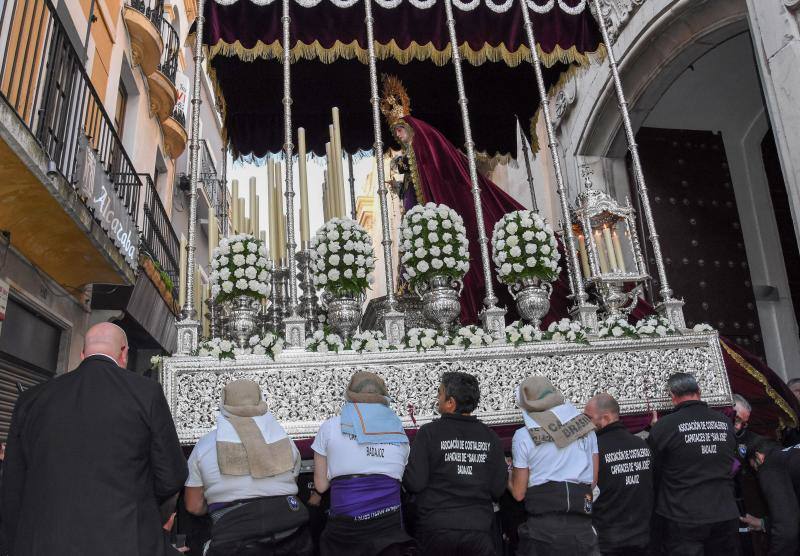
{"type": "Point", "coordinates": [224, 191]}
{"type": "Point", "coordinates": [576, 280]}
{"type": "Point", "coordinates": [490, 300]}
{"type": "Point", "coordinates": [287, 149]}
{"type": "Point", "coordinates": [394, 323]}
{"type": "Point", "coordinates": [528, 172]}
{"type": "Point", "coordinates": [294, 324]}
{"type": "Point", "coordinates": [638, 174]}
{"type": "Point", "coordinates": [188, 327]}
{"type": "Point", "coordinates": [352, 186]}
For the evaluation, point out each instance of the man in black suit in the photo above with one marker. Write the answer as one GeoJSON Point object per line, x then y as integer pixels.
{"type": "Point", "coordinates": [90, 456]}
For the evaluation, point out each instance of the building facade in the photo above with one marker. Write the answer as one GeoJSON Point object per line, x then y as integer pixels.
{"type": "Point", "coordinates": [93, 158]}
{"type": "Point", "coordinates": [712, 89]}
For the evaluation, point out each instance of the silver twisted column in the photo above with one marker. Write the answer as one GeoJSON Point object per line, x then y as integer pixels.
{"type": "Point", "coordinates": [224, 191]}
{"type": "Point", "coordinates": [188, 327]}
{"type": "Point", "coordinates": [295, 327]}
{"type": "Point", "coordinates": [669, 307]}
{"type": "Point", "coordinates": [352, 180]}
{"type": "Point", "coordinates": [528, 171]}
{"type": "Point", "coordinates": [491, 316]}
{"type": "Point", "coordinates": [587, 313]}
{"type": "Point", "coordinates": [393, 320]}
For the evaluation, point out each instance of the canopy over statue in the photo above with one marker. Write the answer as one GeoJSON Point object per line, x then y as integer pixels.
{"type": "Point", "coordinates": [328, 47]}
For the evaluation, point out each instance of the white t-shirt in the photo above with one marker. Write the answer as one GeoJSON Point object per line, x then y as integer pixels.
{"type": "Point", "coordinates": [348, 457]}
{"type": "Point", "coordinates": [204, 472]}
{"type": "Point", "coordinates": [546, 462]}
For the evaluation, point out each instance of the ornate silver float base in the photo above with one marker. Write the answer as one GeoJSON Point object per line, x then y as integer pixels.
{"type": "Point", "coordinates": [305, 388]}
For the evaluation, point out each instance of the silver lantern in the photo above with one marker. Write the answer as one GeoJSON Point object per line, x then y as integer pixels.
{"type": "Point", "coordinates": [609, 250]}
{"type": "Point", "coordinates": [441, 303]}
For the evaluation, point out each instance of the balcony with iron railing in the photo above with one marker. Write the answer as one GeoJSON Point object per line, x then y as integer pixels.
{"type": "Point", "coordinates": [143, 19]}
{"type": "Point", "coordinates": [159, 240]}
{"type": "Point", "coordinates": [212, 181]}
{"type": "Point", "coordinates": [76, 168]}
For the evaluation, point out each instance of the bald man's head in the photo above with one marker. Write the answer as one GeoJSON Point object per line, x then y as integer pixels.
{"type": "Point", "coordinates": [107, 339]}
{"type": "Point", "coordinates": [603, 410]}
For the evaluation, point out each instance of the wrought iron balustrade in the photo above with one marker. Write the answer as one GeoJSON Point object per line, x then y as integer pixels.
{"type": "Point", "coordinates": [168, 65]}
{"type": "Point", "coordinates": [212, 181]}
{"type": "Point", "coordinates": [151, 9]}
{"type": "Point", "coordinates": [159, 239]}
{"type": "Point", "coordinates": [42, 78]}
{"type": "Point", "coordinates": [179, 115]}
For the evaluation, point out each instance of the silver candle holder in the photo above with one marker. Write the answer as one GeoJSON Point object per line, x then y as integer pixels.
{"type": "Point", "coordinates": [308, 301]}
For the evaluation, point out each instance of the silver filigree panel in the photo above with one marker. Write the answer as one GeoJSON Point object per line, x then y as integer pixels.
{"type": "Point", "coordinates": [303, 388]}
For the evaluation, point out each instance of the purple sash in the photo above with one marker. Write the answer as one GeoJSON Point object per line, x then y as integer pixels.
{"type": "Point", "coordinates": [364, 497]}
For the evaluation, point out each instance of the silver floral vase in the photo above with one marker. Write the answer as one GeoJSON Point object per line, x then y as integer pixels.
{"type": "Point", "coordinates": [242, 318]}
{"type": "Point", "coordinates": [533, 299]}
{"type": "Point", "coordinates": [441, 303]}
{"type": "Point", "coordinates": [344, 313]}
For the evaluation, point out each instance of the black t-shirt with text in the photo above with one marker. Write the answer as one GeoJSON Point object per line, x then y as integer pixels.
{"type": "Point", "coordinates": [456, 468]}
{"type": "Point", "coordinates": [693, 451]}
{"type": "Point", "coordinates": [621, 513]}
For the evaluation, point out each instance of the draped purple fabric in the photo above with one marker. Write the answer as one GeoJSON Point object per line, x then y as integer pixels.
{"type": "Point", "coordinates": [444, 176]}
{"type": "Point", "coordinates": [249, 23]}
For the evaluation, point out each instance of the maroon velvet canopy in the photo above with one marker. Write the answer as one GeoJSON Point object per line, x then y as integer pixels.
{"type": "Point", "coordinates": [328, 44]}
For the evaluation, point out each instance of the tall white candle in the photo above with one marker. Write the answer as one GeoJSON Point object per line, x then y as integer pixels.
{"type": "Point", "coordinates": [609, 245]}
{"type": "Point", "coordinates": [251, 213]}
{"type": "Point", "coordinates": [305, 232]}
{"type": "Point", "coordinates": [601, 252]}
{"type": "Point", "coordinates": [618, 251]}
{"type": "Point", "coordinates": [235, 204]}
{"type": "Point", "coordinates": [584, 256]}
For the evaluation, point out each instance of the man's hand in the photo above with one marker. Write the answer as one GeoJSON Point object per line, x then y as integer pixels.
{"type": "Point", "coordinates": [314, 498]}
{"type": "Point", "coordinates": [753, 523]}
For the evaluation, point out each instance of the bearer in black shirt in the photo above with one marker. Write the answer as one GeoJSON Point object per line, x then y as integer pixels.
{"type": "Point", "coordinates": [778, 473]}
{"type": "Point", "coordinates": [694, 450]}
{"type": "Point", "coordinates": [621, 514]}
{"type": "Point", "coordinates": [456, 468]}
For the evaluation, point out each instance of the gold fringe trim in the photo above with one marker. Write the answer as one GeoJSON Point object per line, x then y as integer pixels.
{"type": "Point", "coordinates": [752, 371]}
{"type": "Point", "coordinates": [415, 51]}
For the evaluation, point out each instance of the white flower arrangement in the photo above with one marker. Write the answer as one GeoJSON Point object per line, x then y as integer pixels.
{"type": "Point", "coordinates": [270, 344]}
{"type": "Point", "coordinates": [518, 333]}
{"type": "Point", "coordinates": [239, 267]}
{"type": "Point", "coordinates": [156, 362]}
{"type": "Point", "coordinates": [614, 327]}
{"type": "Point", "coordinates": [471, 337]}
{"type": "Point", "coordinates": [433, 241]}
{"type": "Point", "coordinates": [654, 326]}
{"type": "Point", "coordinates": [323, 341]}
{"type": "Point", "coordinates": [216, 347]}
{"type": "Point", "coordinates": [342, 257]}
{"type": "Point", "coordinates": [524, 246]}
{"type": "Point", "coordinates": [369, 341]}
{"type": "Point", "coordinates": [702, 327]}
{"type": "Point", "coordinates": [566, 330]}
{"type": "Point", "coordinates": [424, 339]}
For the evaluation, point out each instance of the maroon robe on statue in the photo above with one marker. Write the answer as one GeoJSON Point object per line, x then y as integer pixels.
{"type": "Point", "coordinates": [443, 173]}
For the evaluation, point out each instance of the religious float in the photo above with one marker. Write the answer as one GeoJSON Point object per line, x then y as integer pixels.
{"type": "Point", "coordinates": [289, 314]}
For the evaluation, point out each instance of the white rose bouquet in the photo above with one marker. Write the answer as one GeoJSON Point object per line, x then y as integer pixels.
{"type": "Point", "coordinates": [270, 344]}
{"type": "Point", "coordinates": [566, 330]}
{"type": "Point", "coordinates": [471, 336]}
{"type": "Point", "coordinates": [239, 267]}
{"type": "Point", "coordinates": [423, 339]}
{"type": "Point", "coordinates": [216, 347]}
{"type": "Point", "coordinates": [433, 241]}
{"type": "Point", "coordinates": [518, 333]}
{"type": "Point", "coordinates": [654, 326]}
{"type": "Point", "coordinates": [369, 341]}
{"type": "Point", "coordinates": [702, 327]}
{"type": "Point", "coordinates": [614, 327]}
{"type": "Point", "coordinates": [342, 258]}
{"type": "Point", "coordinates": [323, 342]}
{"type": "Point", "coordinates": [524, 246]}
